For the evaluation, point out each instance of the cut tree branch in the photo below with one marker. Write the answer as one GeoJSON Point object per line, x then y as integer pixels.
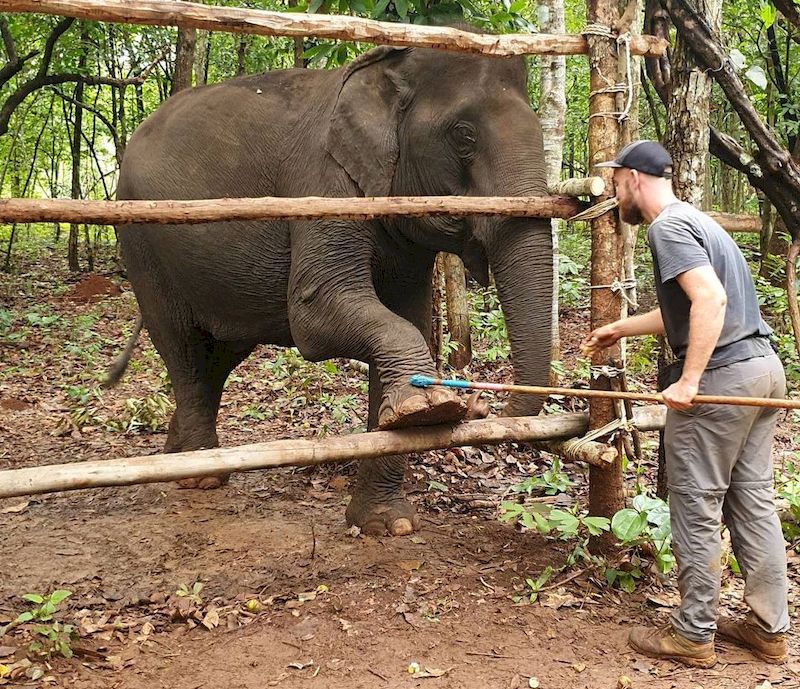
{"type": "Point", "coordinates": [266, 23]}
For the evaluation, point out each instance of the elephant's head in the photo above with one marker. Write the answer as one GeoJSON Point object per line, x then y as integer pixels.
{"type": "Point", "coordinates": [424, 122]}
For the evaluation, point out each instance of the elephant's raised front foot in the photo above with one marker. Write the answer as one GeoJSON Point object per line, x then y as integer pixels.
{"type": "Point", "coordinates": [407, 405]}
{"type": "Point", "coordinates": [204, 482]}
{"type": "Point", "coordinates": [395, 517]}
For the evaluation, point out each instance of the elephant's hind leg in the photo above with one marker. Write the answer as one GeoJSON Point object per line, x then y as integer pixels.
{"type": "Point", "coordinates": [198, 366]}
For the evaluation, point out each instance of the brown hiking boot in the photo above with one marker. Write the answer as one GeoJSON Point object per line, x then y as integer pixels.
{"type": "Point", "coordinates": [770, 648]}
{"type": "Point", "coordinates": [666, 643]}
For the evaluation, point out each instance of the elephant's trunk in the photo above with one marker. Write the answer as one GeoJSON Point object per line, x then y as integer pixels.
{"type": "Point", "coordinates": [521, 259]}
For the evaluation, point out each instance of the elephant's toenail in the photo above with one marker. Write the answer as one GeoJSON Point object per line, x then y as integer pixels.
{"type": "Point", "coordinates": [402, 527]}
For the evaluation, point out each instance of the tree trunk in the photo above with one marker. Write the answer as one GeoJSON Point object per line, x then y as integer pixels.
{"type": "Point", "coordinates": [16, 184]}
{"type": "Point", "coordinates": [628, 101]}
{"type": "Point", "coordinates": [457, 311]}
{"type": "Point", "coordinates": [606, 492]}
{"type": "Point", "coordinates": [791, 289]}
{"type": "Point", "coordinates": [688, 115]}
{"type": "Point", "coordinates": [687, 138]}
{"type": "Point", "coordinates": [299, 62]}
{"type": "Point", "coordinates": [201, 58]}
{"type": "Point", "coordinates": [552, 113]}
{"type": "Point", "coordinates": [241, 56]}
{"type": "Point", "coordinates": [77, 129]}
{"type": "Point", "coordinates": [184, 59]}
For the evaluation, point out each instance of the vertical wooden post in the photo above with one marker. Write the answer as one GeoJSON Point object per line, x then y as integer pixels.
{"type": "Point", "coordinates": [455, 282]}
{"type": "Point", "coordinates": [606, 494]}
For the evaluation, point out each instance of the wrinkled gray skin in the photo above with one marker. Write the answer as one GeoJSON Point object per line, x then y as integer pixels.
{"type": "Point", "coordinates": [393, 122]}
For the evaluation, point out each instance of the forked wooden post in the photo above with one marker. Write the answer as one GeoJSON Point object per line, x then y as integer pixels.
{"type": "Point", "coordinates": [606, 495]}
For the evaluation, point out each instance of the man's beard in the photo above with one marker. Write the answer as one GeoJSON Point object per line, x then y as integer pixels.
{"type": "Point", "coordinates": [630, 213]}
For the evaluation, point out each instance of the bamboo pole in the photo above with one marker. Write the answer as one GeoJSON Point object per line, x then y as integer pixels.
{"type": "Point", "coordinates": [266, 23]}
{"type": "Point", "coordinates": [602, 394]}
{"type": "Point", "coordinates": [215, 210]}
{"type": "Point", "coordinates": [579, 186]}
{"type": "Point", "coordinates": [283, 453]}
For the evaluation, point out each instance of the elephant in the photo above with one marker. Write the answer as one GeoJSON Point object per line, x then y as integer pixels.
{"type": "Point", "coordinates": [393, 122]}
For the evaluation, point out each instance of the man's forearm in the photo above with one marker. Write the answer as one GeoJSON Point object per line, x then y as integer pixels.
{"type": "Point", "coordinates": [649, 323]}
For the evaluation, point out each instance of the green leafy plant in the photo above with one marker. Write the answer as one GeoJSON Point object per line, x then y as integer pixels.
{"type": "Point", "coordinates": [254, 411]}
{"type": "Point", "coordinates": [488, 324]}
{"type": "Point", "coordinates": [6, 321]}
{"type": "Point", "coordinates": [37, 320]}
{"type": "Point", "coordinates": [552, 481]}
{"type": "Point", "coordinates": [646, 522]}
{"type": "Point", "coordinates": [788, 489]}
{"type": "Point", "coordinates": [535, 585]}
{"type": "Point", "coordinates": [572, 286]}
{"type": "Point", "coordinates": [556, 523]}
{"type": "Point", "coordinates": [84, 406]}
{"type": "Point", "coordinates": [191, 592]}
{"type": "Point", "coordinates": [625, 578]}
{"type": "Point", "coordinates": [341, 407]}
{"type": "Point", "coordinates": [50, 636]}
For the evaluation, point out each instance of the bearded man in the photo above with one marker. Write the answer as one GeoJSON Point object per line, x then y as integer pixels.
{"type": "Point", "coordinates": [718, 457]}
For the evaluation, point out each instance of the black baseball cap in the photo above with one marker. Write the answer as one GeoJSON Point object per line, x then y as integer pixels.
{"type": "Point", "coordinates": [645, 156]}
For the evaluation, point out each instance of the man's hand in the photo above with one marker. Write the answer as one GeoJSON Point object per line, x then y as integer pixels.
{"type": "Point", "coordinates": [600, 338]}
{"type": "Point", "coordinates": [680, 395]}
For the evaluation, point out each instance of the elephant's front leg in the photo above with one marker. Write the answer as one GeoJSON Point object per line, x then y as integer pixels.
{"type": "Point", "coordinates": [335, 311]}
{"type": "Point", "coordinates": [378, 504]}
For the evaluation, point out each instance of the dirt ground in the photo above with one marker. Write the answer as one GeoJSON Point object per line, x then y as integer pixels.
{"type": "Point", "coordinates": [276, 590]}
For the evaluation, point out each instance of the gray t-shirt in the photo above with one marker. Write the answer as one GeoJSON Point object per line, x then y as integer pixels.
{"type": "Point", "coordinates": [682, 238]}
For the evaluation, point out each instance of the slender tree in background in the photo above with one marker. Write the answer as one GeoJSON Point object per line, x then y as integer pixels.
{"type": "Point", "coordinates": [552, 113]}
{"type": "Point", "coordinates": [688, 121]}
{"type": "Point", "coordinates": [77, 129]}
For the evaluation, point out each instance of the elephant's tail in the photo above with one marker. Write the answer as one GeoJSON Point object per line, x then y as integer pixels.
{"type": "Point", "coordinates": [121, 362]}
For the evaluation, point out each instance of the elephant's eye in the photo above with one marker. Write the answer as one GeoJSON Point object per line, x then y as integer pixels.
{"type": "Point", "coordinates": [464, 138]}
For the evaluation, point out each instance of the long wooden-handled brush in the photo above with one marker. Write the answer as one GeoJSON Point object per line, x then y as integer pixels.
{"type": "Point", "coordinates": [421, 381]}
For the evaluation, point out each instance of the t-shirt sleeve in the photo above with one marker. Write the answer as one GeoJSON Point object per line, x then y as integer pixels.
{"type": "Point", "coordinates": [676, 248]}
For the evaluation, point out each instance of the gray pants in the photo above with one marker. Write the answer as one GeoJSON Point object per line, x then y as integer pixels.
{"type": "Point", "coordinates": [719, 463]}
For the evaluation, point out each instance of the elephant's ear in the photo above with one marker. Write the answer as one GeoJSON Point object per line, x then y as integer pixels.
{"type": "Point", "coordinates": [362, 136]}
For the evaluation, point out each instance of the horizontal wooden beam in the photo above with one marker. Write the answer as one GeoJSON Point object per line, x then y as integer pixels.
{"type": "Point", "coordinates": [283, 453]}
{"type": "Point", "coordinates": [266, 23]}
{"type": "Point", "coordinates": [214, 210]}
{"type": "Point", "coordinates": [737, 222]}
